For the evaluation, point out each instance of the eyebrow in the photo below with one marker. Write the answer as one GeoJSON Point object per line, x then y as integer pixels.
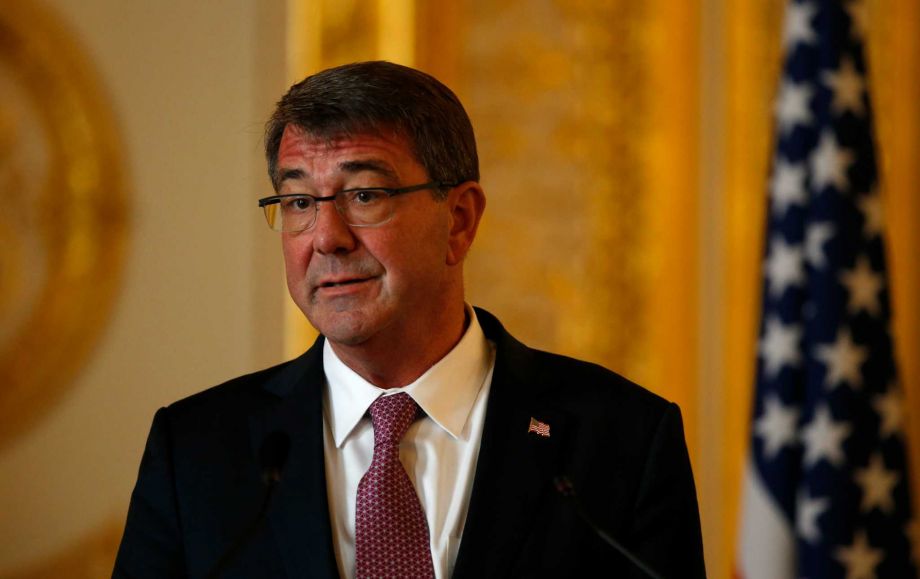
{"type": "Point", "coordinates": [369, 165]}
{"type": "Point", "coordinates": [351, 167]}
{"type": "Point", "coordinates": [291, 175]}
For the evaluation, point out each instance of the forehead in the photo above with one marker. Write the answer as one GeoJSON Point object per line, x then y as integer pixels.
{"type": "Point", "coordinates": [299, 145]}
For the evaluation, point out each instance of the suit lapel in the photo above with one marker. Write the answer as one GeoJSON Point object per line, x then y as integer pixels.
{"type": "Point", "coordinates": [299, 515]}
{"type": "Point", "coordinates": [515, 467]}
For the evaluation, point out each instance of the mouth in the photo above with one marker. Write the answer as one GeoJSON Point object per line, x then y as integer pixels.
{"type": "Point", "coordinates": [343, 282]}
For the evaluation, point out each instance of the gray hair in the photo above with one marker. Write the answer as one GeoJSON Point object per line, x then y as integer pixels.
{"type": "Point", "coordinates": [374, 97]}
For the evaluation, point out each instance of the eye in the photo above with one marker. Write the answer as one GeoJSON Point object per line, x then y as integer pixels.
{"type": "Point", "coordinates": [367, 196]}
{"type": "Point", "coordinates": [297, 204]}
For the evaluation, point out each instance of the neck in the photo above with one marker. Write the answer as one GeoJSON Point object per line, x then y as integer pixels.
{"type": "Point", "coordinates": [392, 363]}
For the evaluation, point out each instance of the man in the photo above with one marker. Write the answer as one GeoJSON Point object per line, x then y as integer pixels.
{"type": "Point", "coordinates": [378, 202]}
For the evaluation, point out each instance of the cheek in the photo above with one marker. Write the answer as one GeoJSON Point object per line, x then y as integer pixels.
{"type": "Point", "coordinates": [422, 256]}
{"type": "Point", "coordinates": [296, 251]}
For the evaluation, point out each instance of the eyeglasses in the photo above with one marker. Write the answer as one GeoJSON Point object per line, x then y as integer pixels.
{"type": "Point", "coordinates": [362, 207]}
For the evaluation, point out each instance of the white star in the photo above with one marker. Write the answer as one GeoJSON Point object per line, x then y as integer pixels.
{"type": "Point", "coordinates": [890, 408]}
{"type": "Point", "coordinates": [829, 163]}
{"type": "Point", "coordinates": [807, 512]}
{"type": "Point", "coordinates": [860, 559]}
{"type": "Point", "coordinates": [784, 266]}
{"type": "Point", "coordinates": [780, 346]}
{"type": "Point", "coordinates": [816, 235]}
{"type": "Point", "coordinates": [859, 18]}
{"type": "Point", "coordinates": [792, 106]}
{"type": "Point", "coordinates": [787, 186]}
{"type": "Point", "coordinates": [824, 438]}
{"type": "Point", "coordinates": [877, 483]}
{"type": "Point", "coordinates": [843, 360]}
{"type": "Point", "coordinates": [863, 285]}
{"type": "Point", "coordinates": [797, 27]}
{"type": "Point", "coordinates": [776, 426]}
{"type": "Point", "coordinates": [847, 87]}
{"type": "Point", "coordinates": [871, 207]}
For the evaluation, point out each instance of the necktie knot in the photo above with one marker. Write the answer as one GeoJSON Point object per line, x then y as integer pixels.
{"type": "Point", "coordinates": [392, 416]}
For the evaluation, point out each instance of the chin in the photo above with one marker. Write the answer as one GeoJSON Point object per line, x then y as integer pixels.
{"type": "Point", "coordinates": [344, 329]}
{"type": "Point", "coordinates": [346, 338]}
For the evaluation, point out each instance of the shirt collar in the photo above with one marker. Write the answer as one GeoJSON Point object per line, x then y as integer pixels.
{"type": "Point", "coordinates": [446, 391]}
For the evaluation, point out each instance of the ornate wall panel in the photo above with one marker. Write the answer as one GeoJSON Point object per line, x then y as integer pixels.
{"type": "Point", "coordinates": [64, 217]}
{"type": "Point", "coordinates": [566, 182]}
{"type": "Point", "coordinates": [63, 229]}
{"type": "Point", "coordinates": [579, 109]}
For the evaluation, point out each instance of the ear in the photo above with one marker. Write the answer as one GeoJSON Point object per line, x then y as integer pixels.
{"type": "Point", "coordinates": [466, 203]}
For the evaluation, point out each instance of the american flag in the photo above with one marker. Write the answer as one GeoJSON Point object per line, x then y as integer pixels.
{"type": "Point", "coordinates": [538, 427]}
{"type": "Point", "coordinates": [826, 490]}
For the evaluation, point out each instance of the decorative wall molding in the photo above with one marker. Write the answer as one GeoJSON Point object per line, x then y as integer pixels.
{"type": "Point", "coordinates": [64, 221]}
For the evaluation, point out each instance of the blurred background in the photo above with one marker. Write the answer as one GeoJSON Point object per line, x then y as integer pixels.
{"type": "Point", "coordinates": [625, 151]}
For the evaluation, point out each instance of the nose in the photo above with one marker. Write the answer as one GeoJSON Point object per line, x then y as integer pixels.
{"type": "Point", "coordinates": [330, 232]}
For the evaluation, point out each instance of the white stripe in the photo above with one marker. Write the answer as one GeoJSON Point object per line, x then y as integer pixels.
{"type": "Point", "coordinates": [767, 541]}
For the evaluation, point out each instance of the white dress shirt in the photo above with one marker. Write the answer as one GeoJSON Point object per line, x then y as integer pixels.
{"type": "Point", "coordinates": [439, 451]}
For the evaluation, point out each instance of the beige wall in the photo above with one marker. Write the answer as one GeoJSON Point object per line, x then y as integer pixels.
{"type": "Point", "coordinates": [191, 84]}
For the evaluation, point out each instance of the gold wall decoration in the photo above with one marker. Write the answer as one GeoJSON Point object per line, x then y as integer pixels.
{"type": "Point", "coordinates": [586, 121]}
{"type": "Point", "coordinates": [64, 212]}
{"type": "Point", "coordinates": [565, 176]}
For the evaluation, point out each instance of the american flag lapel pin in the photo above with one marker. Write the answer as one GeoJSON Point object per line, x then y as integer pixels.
{"type": "Point", "coordinates": [537, 427]}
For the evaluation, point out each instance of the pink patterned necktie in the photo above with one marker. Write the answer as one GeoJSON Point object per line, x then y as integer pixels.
{"type": "Point", "coordinates": [391, 533]}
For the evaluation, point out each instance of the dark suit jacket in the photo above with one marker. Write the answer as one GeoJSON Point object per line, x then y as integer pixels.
{"type": "Point", "coordinates": [623, 448]}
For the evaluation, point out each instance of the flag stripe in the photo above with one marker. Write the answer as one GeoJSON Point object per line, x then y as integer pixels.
{"type": "Point", "coordinates": [767, 548]}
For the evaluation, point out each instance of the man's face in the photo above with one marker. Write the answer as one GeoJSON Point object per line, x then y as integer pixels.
{"type": "Point", "coordinates": [357, 284]}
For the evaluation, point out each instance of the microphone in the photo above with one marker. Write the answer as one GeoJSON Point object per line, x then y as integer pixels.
{"type": "Point", "coordinates": [272, 455]}
{"type": "Point", "coordinates": [565, 488]}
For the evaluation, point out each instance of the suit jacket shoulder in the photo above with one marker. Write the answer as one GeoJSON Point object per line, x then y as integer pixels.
{"type": "Point", "coordinates": [621, 446]}
{"type": "Point", "coordinates": [200, 485]}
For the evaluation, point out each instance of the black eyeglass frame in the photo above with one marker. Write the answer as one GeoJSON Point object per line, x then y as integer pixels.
{"type": "Point", "coordinates": [390, 191]}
